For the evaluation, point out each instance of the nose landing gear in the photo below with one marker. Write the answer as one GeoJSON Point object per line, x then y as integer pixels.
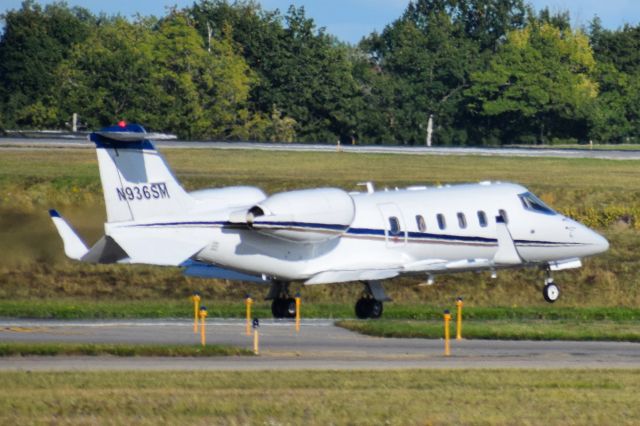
{"type": "Point", "coordinates": [551, 291]}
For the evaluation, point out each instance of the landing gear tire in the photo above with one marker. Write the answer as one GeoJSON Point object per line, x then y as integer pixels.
{"type": "Point", "coordinates": [376, 309]}
{"type": "Point", "coordinates": [289, 307]}
{"type": "Point", "coordinates": [278, 308]}
{"type": "Point", "coordinates": [361, 308]}
{"type": "Point", "coordinates": [283, 307]}
{"type": "Point", "coordinates": [368, 308]}
{"type": "Point", "coordinates": [551, 292]}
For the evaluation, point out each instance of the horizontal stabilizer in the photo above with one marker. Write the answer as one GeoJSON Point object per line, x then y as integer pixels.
{"type": "Point", "coordinates": [106, 250]}
{"type": "Point", "coordinates": [134, 136]}
{"type": "Point", "coordinates": [203, 270]}
{"type": "Point", "coordinates": [74, 248]}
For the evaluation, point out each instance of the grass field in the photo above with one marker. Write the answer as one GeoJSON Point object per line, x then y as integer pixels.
{"type": "Point", "coordinates": [521, 329]}
{"type": "Point", "coordinates": [123, 350]}
{"type": "Point", "coordinates": [32, 266]}
{"type": "Point", "coordinates": [422, 397]}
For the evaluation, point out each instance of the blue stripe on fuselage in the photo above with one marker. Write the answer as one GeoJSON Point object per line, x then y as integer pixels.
{"type": "Point", "coordinates": [371, 232]}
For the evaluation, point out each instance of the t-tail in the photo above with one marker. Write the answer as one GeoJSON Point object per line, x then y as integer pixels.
{"type": "Point", "coordinates": [137, 185]}
{"type": "Point", "coordinates": [136, 181]}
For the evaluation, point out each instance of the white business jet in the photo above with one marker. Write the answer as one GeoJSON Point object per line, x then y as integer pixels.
{"type": "Point", "coordinates": [319, 236]}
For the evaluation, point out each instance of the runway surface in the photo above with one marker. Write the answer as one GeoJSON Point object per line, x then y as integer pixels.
{"type": "Point", "coordinates": [319, 345]}
{"type": "Point", "coordinates": [51, 143]}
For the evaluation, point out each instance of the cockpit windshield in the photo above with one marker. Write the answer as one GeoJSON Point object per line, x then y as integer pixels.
{"type": "Point", "coordinates": [533, 203]}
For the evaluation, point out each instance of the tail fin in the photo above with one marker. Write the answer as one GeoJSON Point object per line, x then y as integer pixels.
{"type": "Point", "coordinates": [136, 181]}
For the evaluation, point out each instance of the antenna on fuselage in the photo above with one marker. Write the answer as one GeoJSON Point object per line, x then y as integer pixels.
{"type": "Point", "coordinates": [370, 188]}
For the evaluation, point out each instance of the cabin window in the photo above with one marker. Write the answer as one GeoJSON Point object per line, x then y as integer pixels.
{"type": "Point", "coordinates": [503, 215]}
{"type": "Point", "coordinates": [442, 224]}
{"type": "Point", "coordinates": [422, 226]}
{"type": "Point", "coordinates": [533, 203]}
{"type": "Point", "coordinates": [482, 218]}
{"type": "Point", "coordinates": [462, 221]}
{"type": "Point", "coordinates": [394, 225]}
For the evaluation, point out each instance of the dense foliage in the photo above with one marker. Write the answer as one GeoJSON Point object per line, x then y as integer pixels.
{"type": "Point", "coordinates": [471, 72]}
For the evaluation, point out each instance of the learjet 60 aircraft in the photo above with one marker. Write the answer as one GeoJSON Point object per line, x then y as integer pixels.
{"type": "Point", "coordinates": [319, 236]}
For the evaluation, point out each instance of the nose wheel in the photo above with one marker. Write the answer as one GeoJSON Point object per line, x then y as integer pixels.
{"type": "Point", "coordinates": [551, 291]}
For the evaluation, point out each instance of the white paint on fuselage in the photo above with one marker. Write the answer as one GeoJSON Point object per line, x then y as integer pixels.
{"type": "Point", "coordinates": [368, 245]}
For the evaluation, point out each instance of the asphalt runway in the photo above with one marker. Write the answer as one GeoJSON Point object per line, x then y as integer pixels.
{"type": "Point", "coordinates": [52, 143]}
{"type": "Point", "coordinates": [319, 345]}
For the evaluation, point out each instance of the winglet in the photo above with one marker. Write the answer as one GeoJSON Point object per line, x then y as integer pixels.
{"type": "Point", "coordinates": [73, 245]}
{"type": "Point", "coordinates": [507, 253]}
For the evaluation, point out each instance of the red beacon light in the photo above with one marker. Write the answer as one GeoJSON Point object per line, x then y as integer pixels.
{"type": "Point", "coordinates": [122, 124]}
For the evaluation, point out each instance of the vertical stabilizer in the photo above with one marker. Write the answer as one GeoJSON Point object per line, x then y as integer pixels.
{"type": "Point", "coordinates": [136, 181]}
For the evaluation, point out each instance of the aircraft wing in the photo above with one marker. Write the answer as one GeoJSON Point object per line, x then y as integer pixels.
{"type": "Point", "coordinates": [328, 277]}
{"type": "Point", "coordinates": [205, 270]}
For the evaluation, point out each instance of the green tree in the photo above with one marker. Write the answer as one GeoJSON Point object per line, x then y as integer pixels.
{"type": "Point", "coordinates": [157, 73]}
{"type": "Point", "coordinates": [35, 40]}
{"type": "Point", "coordinates": [302, 72]}
{"type": "Point", "coordinates": [428, 65]}
{"type": "Point", "coordinates": [108, 77]}
{"type": "Point", "coordinates": [539, 85]}
{"type": "Point", "coordinates": [421, 64]}
{"type": "Point", "coordinates": [617, 116]}
{"type": "Point", "coordinates": [201, 92]}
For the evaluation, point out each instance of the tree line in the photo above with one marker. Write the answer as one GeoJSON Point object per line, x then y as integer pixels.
{"type": "Point", "coordinates": [457, 72]}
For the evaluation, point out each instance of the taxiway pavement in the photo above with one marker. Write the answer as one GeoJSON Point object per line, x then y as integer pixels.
{"type": "Point", "coordinates": [319, 345]}
{"type": "Point", "coordinates": [51, 143]}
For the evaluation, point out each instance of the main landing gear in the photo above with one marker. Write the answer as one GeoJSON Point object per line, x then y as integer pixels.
{"type": "Point", "coordinates": [370, 305]}
{"type": "Point", "coordinates": [551, 291]}
{"type": "Point", "coordinates": [282, 305]}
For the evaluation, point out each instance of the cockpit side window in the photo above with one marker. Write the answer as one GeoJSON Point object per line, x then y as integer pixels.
{"type": "Point", "coordinates": [532, 203]}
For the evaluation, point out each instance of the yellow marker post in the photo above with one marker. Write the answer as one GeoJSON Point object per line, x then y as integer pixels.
{"type": "Point", "coordinates": [459, 319]}
{"type": "Point", "coordinates": [447, 319]}
{"type": "Point", "coordinates": [248, 301]}
{"type": "Point", "coordinates": [297, 312]}
{"type": "Point", "coordinates": [203, 335]}
{"type": "Point", "coordinates": [196, 303]}
{"type": "Point", "coordinates": [256, 324]}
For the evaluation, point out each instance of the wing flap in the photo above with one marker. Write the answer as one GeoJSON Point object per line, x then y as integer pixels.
{"type": "Point", "coordinates": [328, 277]}
{"type": "Point", "coordinates": [204, 270]}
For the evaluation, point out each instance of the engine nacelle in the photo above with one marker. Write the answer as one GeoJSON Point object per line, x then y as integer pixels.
{"type": "Point", "coordinates": [305, 216]}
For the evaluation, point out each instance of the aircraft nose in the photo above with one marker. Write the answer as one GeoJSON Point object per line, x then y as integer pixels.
{"type": "Point", "coordinates": [598, 242]}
